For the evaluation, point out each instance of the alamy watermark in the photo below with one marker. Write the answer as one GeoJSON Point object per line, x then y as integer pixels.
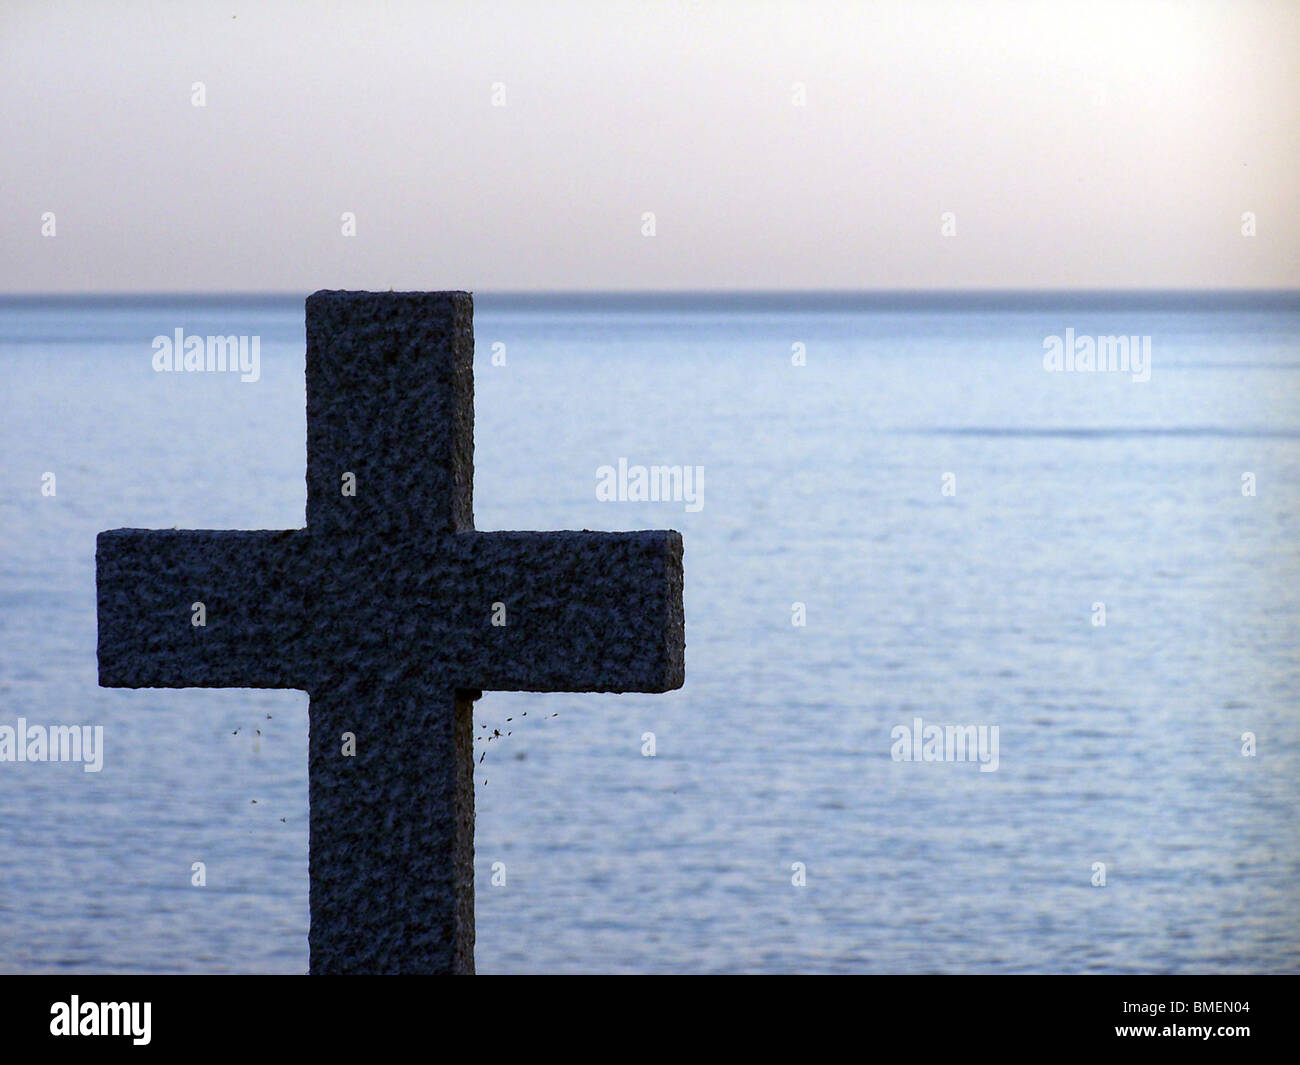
{"type": "Point", "coordinates": [1102, 354]}
{"type": "Point", "coordinates": [216, 354]}
{"type": "Point", "coordinates": [651, 484]}
{"type": "Point", "coordinates": [946, 743]}
{"type": "Point", "coordinates": [57, 743]}
{"type": "Point", "coordinates": [74, 1017]}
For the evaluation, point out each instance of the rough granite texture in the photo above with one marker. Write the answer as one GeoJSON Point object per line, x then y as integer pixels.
{"type": "Point", "coordinates": [381, 609]}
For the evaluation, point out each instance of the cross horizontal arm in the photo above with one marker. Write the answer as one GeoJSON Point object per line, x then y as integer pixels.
{"type": "Point", "coordinates": [251, 587]}
{"type": "Point", "coordinates": [582, 611]}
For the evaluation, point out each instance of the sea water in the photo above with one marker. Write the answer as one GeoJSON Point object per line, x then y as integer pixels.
{"type": "Point", "coordinates": [906, 520]}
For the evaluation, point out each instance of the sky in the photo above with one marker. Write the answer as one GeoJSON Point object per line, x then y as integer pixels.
{"type": "Point", "coordinates": [524, 146]}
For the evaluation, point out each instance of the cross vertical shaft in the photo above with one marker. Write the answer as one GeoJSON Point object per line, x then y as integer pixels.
{"type": "Point", "coordinates": [398, 815]}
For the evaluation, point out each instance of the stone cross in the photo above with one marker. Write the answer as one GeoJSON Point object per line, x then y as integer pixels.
{"type": "Point", "coordinates": [388, 609]}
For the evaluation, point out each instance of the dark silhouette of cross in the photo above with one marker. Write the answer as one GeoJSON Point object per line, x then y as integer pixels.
{"type": "Point", "coordinates": [388, 609]}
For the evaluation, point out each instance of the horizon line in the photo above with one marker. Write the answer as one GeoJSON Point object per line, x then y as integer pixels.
{"type": "Point", "coordinates": [700, 294]}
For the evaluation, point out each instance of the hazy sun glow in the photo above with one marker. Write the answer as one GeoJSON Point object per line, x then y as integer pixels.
{"type": "Point", "coordinates": [777, 145]}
